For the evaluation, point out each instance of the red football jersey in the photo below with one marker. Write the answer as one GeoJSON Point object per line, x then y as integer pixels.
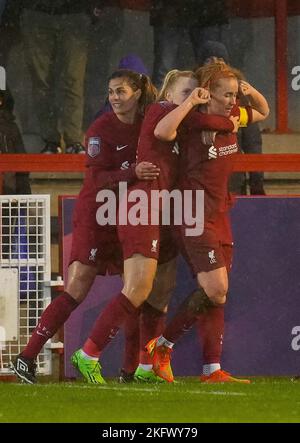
{"type": "Point", "coordinates": [207, 167]}
{"type": "Point", "coordinates": [163, 154]}
{"type": "Point", "coordinates": [110, 158]}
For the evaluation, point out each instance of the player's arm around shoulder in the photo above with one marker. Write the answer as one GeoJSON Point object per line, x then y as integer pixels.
{"type": "Point", "coordinates": [166, 129]}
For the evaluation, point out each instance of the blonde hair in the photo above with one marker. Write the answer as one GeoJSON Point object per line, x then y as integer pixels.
{"type": "Point", "coordinates": [209, 75]}
{"type": "Point", "coordinates": [171, 79]}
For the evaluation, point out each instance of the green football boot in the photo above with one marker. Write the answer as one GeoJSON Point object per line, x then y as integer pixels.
{"type": "Point", "coordinates": [143, 376]}
{"type": "Point", "coordinates": [90, 369]}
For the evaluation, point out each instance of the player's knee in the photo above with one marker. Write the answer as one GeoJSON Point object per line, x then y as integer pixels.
{"type": "Point", "coordinates": [79, 285]}
{"type": "Point", "coordinates": [217, 293]}
{"type": "Point", "coordinates": [159, 303]}
{"type": "Point", "coordinates": [164, 297]}
{"type": "Point", "coordinates": [77, 293]}
{"type": "Point", "coordinates": [139, 291]}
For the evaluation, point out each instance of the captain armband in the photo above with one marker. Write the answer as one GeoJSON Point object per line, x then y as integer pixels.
{"type": "Point", "coordinates": [244, 118]}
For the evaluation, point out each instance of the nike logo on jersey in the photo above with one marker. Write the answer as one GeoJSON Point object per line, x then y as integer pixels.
{"type": "Point", "coordinates": [119, 148]}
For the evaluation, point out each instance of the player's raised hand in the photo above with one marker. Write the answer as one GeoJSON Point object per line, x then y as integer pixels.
{"type": "Point", "coordinates": [245, 88]}
{"type": "Point", "coordinates": [146, 171]}
{"type": "Point", "coordinates": [199, 96]}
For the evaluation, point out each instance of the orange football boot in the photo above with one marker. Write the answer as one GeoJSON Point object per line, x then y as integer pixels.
{"type": "Point", "coordinates": [161, 359]}
{"type": "Point", "coordinates": [220, 376]}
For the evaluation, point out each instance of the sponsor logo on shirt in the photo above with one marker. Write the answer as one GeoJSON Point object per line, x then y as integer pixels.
{"type": "Point", "coordinates": [94, 144]}
{"type": "Point", "coordinates": [125, 165]}
{"type": "Point", "coordinates": [212, 152]}
{"type": "Point", "coordinates": [228, 150]}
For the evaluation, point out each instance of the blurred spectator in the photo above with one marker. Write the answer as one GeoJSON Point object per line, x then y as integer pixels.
{"type": "Point", "coordinates": [133, 62]}
{"type": "Point", "coordinates": [11, 143]}
{"type": "Point", "coordinates": [250, 142]}
{"type": "Point", "coordinates": [9, 27]}
{"type": "Point", "coordinates": [16, 240]}
{"type": "Point", "coordinates": [2, 5]}
{"type": "Point", "coordinates": [202, 20]}
{"type": "Point", "coordinates": [55, 38]}
{"type": "Point", "coordinates": [249, 138]}
{"type": "Point", "coordinates": [104, 36]}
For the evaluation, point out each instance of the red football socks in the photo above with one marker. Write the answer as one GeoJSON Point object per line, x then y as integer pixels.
{"type": "Point", "coordinates": [152, 323]}
{"type": "Point", "coordinates": [182, 322]}
{"type": "Point", "coordinates": [54, 316]}
{"type": "Point", "coordinates": [132, 342]}
{"type": "Point", "coordinates": [211, 330]}
{"type": "Point", "coordinates": [109, 322]}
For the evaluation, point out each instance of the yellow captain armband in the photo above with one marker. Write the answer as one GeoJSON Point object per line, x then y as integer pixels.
{"type": "Point", "coordinates": [243, 117]}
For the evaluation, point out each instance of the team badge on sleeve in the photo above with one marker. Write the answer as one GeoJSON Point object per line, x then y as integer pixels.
{"type": "Point", "coordinates": [94, 144]}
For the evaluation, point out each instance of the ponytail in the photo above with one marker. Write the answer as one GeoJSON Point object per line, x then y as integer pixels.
{"type": "Point", "coordinates": [149, 92]}
{"type": "Point", "coordinates": [138, 81]}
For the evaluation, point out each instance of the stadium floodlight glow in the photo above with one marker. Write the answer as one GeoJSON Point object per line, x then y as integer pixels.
{"type": "Point", "coordinates": [162, 207]}
{"type": "Point", "coordinates": [2, 79]}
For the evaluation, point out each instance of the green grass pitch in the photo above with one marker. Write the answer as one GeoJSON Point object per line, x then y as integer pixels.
{"type": "Point", "coordinates": [265, 400]}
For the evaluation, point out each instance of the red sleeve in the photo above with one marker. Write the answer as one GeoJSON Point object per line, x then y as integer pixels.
{"type": "Point", "coordinates": [100, 161]}
{"type": "Point", "coordinates": [155, 113]}
{"type": "Point", "coordinates": [109, 179]}
{"type": "Point", "coordinates": [196, 119]}
{"type": "Point", "coordinates": [250, 115]}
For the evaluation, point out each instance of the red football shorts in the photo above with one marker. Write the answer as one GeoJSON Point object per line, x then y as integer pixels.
{"type": "Point", "coordinates": [94, 247]}
{"type": "Point", "coordinates": [152, 241]}
{"type": "Point", "coordinates": [211, 250]}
